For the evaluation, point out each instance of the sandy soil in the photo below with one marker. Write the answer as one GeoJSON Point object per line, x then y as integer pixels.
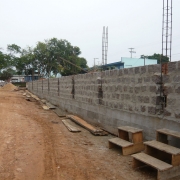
{"type": "Point", "coordinates": [35, 145]}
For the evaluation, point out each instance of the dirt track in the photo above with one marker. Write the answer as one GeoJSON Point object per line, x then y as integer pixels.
{"type": "Point", "coordinates": [35, 145]}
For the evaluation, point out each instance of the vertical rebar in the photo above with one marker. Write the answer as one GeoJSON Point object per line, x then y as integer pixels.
{"type": "Point", "coordinates": [163, 30]}
{"type": "Point", "coordinates": [167, 29]}
{"type": "Point", "coordinates": [105, 43]}
{"type": "Point", "coordinates": [171, 32]}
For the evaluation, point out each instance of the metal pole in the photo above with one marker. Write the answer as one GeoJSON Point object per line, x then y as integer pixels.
{"type": "Point", "coordinates": [171, 33]}
{"type": "Point", "coordinates": [163, 29]}
{"type": "Point", "coordinates": [167, 29]}
{"type": "Point", "coordinates": [144, 60]}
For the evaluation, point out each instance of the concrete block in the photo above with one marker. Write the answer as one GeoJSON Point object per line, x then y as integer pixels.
{"type": "Point", "coordinates": [178, 65]}
{"type": "Point", "coordinates": [153, 89]}
{"type": "Point", "coordinates": [176, 78]}
{"type": "Point", "coordinates": [166, 79]}
{"type": "Point", "coordinates": [143, 88]}
{"type": "Point", "coordinates": [120, 72]}
{"type": "Point", "coordinates": [125, 88]}
{"type": "Point", "coordinates": [126, 71]}
{"type": "Point", "coordinates": [137, 89]}
{"type": "Point", "coordinates": [137, 70]}
{"type": "Point", "coordinates": [130, 71]}
{"type": "Point", "coordinates": [177, 90]}
{"type": "Point", "coordinates": [140, 80]}
{"type": "Point", "coordinates": [172, 66]}
{"type": "Point", "coordinates": [143, 108]}
{"type": "Point", "coordinates": [147, 79]}
{"type": "Point", "coordinates": [156, 79]}
{"type": "Point", "coordinates": [143, 69]}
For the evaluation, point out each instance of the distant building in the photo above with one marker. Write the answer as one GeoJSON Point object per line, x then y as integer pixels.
{"type": "Point", "coordinates": [23, 78]}
{"type": "Point", "coordinates": [115, 65]}
{"type": "Point", "coordinates": [17, 78]}
{"type": "Point", "coordinates": [30, 77]}
{"type": "Point", "coordinates": [135, 62]}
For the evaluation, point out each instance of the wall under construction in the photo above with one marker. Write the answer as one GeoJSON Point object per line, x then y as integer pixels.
{"type": "Point", "coordinates": [136, 96]}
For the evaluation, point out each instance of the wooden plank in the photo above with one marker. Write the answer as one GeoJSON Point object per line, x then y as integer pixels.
{"type": "Point", "coordinates": [162, 137]}
{"type": "Point", "coordinates": [130, 129]}
{"type": "Point", "coordinates": [120, 142]}
{"type": "Point", "coordinates": [43, 101]}
{"type": "Point", "coordinates": [50, 105]}
{"type": "Point", "coordinates": [163, 147]}
{"type": "Point", "coordinates": [45, 107]}
{"type": "Point", "coordinates": [176, 160]}
{"type": "Point", "coordinates": [137, 137]}
{"type": "Point", "coordinates": [151, 161]}
{"type": "Point", "coordinates": [170, 173]}
{"type": "Point", "coordinates": [123, 134]}
{"type": "Point", "coordinates": [133, 149]}
{"type": "Point", "coordinates": [156, 153]}
{"type": "Point", "coordinates": [169, 132]}
{"type": "Point", "coordinates": [28, 96]}
{"type": "Point", "coordinates": [70, 127]}
{"type": "Point", "coordinates": [35, 97]}
{"type": "Point", "coordinates": [92, 129]}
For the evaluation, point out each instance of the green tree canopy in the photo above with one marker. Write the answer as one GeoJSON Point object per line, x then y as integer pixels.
{"type": "Point", "coordinates": [4, 60]}
{"type": "Point", "coordinates": [47, 55]}
{"type": "Point", "coordinates": [44, 58]}
{"type": "Point", "coordinates": [7, 74]}
{"type": "Point", "coordinates": [159, 57]}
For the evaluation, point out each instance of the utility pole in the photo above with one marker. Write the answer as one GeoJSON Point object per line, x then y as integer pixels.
{"type": "Point", "coordinates": [131, 51]}
{"type": "Point", "coordinates": [144, 59]}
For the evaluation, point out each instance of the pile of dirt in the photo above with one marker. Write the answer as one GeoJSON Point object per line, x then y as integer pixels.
{"type": "Point", "coordinates": [8, 87]}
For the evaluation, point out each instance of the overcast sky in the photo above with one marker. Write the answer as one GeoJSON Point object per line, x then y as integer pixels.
{"type": "Point", "coordinates": [131, 23]}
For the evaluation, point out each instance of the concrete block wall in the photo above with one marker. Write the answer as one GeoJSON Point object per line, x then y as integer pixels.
{"type": "Point", "coordinates": [130, 97]}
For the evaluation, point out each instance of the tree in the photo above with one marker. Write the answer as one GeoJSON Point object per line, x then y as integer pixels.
{"type": "Point", "coordinates": [7, 74]}
{"type": "Point", "coordinates": [4, 60]}
{"type": "Point", "coordinates": [48, 55]}
{"type": "Point", "coordinates": [44, 58]}
{"type": "Point", "coordinates": [159, 57]}
{"type": "Point", "coordinates": [14, 49]}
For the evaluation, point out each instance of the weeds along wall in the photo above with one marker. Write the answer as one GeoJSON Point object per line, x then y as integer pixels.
{"type": "Point", "coordinates": [136, 96]}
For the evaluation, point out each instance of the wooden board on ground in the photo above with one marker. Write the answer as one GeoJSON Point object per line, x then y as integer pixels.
{"type": "Point", "coordinates": [45, 107]}
{"type": "Point", "coordinates": [43, 101]}
{"type": "Point", "coordinates": [92, 129]}
{"type": "Point", "coordinates": [50, 105]}
{"type": "Point", "coordinates": [163, 147]}
{"type": "Point", "coordinates": [129, 129]}
{"type": "Point", "coordinates": [28, 96]}
{"type": "Point", "coordinates": [151, 161]}
{"type": "Point", "coordinates": [169, 132]}
{"type": "Point", "coordinates": [32, 95]}
{"type": "Point", "coordinates": [60, 112]}
{"type": "Point", "coordinates": [70, 127]}
{"type": "Point", "coordinates": [120, 142]}
{"type": "Point", "coordinates": [35, 97]}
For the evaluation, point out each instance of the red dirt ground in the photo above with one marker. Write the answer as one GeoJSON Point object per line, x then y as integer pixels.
{"type": "Point", "coordinates": [35, 145]}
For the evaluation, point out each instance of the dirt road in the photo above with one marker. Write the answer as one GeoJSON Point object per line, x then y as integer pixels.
{"type": "Point", "coordinates": [35, 145]}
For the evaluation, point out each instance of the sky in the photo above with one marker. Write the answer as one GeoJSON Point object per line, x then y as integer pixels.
{"type": "Point", "coordinates": [131, 24]}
